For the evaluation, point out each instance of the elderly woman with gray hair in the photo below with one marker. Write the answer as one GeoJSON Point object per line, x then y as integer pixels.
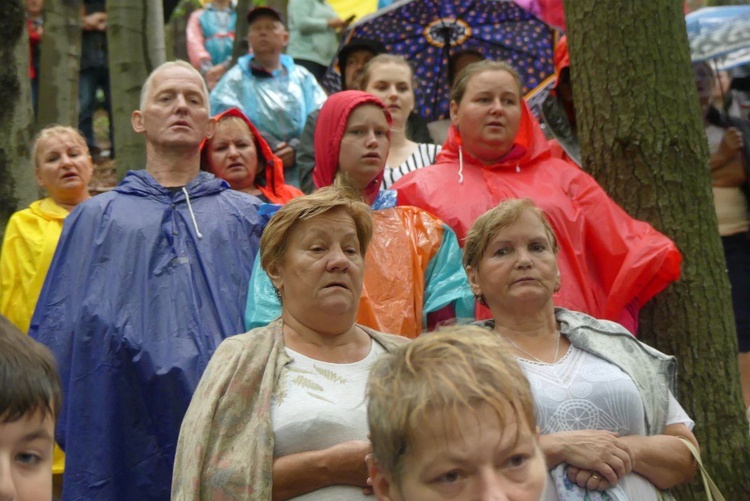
{"type": "Point", "coordinates": [280, 410]}
{"type": "Point", "coordinates": [610, 425]}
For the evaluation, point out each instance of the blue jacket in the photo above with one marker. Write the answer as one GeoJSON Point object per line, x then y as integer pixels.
{"type": "Point", "coordinates": [277, 103]}
{"type": "Point", "coordinates": [218, 33]}
{"type": "Point", "coordinates": [133, 307]}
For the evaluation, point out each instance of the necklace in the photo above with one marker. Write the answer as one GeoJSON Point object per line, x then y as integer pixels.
{"type": "Point", "coordinates": [557, 349]}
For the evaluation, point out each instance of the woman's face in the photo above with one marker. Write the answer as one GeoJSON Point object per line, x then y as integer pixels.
{"type": "Point", "coordinates": [518, 267]}
{"type": "Point", "coordinates": [232, 155]}
{"type": "Point", "coordinates": [64, 168]}
{"type": "Point", "coordinates": [391, 83]}
{"type": "Point", "coordinates": [489, 114]}
{"type": "Point", "coordinates": [320, 275]}
{"type": "Point", "coordinates": [364, 146]}
{"type": "Point", "coordinates": [478, 457]}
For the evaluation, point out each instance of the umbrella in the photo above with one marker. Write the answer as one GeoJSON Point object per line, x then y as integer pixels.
{"type": "Point", "coordinates": [427, 32]}
{"type": "Point", "coordinates": [721, 34]}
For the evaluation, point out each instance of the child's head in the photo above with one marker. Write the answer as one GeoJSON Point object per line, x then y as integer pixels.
{"type": "Point", "coordinates": [451, 415]}
{"type": "Point", "coordinates": [30, 400]}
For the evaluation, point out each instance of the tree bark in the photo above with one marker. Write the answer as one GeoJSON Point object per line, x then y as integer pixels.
{"type": "Point", "coordinates": [135, 36]}
{"type": "Point", "coordinates": [18, 188]}
{"type": "Point", "coordinates": [60, 57]}
{"type": "Point", "coordinates": [642, 138]}
{"type": "Point", "coordinates": [240, 30]}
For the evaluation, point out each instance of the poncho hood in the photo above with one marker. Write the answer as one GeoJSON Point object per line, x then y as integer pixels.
{"type": "Point", "coordinates": [530, 145]}
{"type": "Point", "coordinates": [270, 176]}
{"type": "Point", "coordinates": [330, 130]}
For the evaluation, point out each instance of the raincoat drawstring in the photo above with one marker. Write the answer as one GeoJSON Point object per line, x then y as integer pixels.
{"type": "Point", "coordinates": [192, 214]}
{"type": "Point", "coordinates": [460, 165]}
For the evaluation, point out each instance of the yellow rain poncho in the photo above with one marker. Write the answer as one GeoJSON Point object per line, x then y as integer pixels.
{"type": "Point", "coordinates": [29, 244]}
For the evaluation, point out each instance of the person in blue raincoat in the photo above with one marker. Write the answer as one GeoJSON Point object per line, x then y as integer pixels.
{"type": "Point", "coordinates": [276, 94]}
{"type": "Point", "coordinates": [146, 281]}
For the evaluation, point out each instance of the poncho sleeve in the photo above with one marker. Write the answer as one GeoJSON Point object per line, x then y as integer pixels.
{"type": "Point", "coordinates": [262, 305]}
{"type": "Point", "coordinates": [446, 282]}
{"type": "Point", "coordinates": [632, 261]}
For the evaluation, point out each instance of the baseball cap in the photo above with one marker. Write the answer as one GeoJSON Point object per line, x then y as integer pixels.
{"type": "Point", "coordinates": [264, 11]}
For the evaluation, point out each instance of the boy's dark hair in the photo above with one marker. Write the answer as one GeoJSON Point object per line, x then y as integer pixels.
{"type": "Point", "coordinates": [28, 376]}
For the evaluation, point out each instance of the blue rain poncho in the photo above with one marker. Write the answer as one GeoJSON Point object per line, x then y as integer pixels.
{"type": "Point", "coordinates": [144, 285]}
{"type": "Point", "coordinates": [277, 103]}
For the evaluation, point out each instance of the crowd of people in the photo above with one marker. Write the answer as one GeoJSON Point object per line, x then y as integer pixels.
{"type": "Point", "coordinates": [311, 296]}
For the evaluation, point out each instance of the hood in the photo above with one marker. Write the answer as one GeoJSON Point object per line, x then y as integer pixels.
{"type": "Point", "coordinates": [330, 130]}
{"type": "Point", "coordinates": [270, 176]}
{"type": "Point", "coordinates": [47, 209]}
{"type": "Point", "coordinates": [530, 145]}
{"type": "Point", "coordinates": [140, 183]}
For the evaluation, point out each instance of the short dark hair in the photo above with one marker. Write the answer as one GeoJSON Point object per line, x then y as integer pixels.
{"type": "Point", "coordinates": [28, 376]}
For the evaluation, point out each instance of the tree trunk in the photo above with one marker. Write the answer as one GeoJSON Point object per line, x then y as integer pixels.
{"type": "Point", "coordinates": [642, 138]}
{"type": "Point", "coordinates": [135, 37]}
{"type": "Point", "coordinates": [18, 188]}
{"type": "Point", "coordinates": [60, 57]}
{"type": "Point", "coordinates": [240, 31]}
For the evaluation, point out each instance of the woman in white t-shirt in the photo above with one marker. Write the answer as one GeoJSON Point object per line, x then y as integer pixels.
{"type": "Point", "coordinates": [611, 427]}
{"type": "Point", "coordinates": [390, 78]}
{"type": "Point", "coordinates": [280, 411]}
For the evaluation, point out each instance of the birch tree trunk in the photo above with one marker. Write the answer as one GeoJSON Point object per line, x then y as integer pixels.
{"type": "Point", "coordinates": [642, 138]}
{"type": "Point", "coordinates": [18, 188]}
{"type": "Point", "coordinates": [135, 37]}
{"type": "Point", "coordinates": [60, 57]}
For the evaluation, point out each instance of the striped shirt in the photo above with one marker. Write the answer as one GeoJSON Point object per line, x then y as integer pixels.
{"type": "Point", "coordinates": [423, 156]}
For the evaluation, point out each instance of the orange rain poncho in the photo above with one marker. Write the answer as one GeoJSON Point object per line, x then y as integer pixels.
{"type": "Point", "coordinates": [413, 264]}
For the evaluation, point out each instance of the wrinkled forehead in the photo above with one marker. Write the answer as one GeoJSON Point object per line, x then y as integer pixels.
{"type": "Point", "coordinates": [176, 79]}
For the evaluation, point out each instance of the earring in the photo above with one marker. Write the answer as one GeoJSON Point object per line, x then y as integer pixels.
{"type": "Point", "coordinates": [480, 299]}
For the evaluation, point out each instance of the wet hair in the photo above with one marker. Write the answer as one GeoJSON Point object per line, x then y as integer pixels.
{"type": "Point", "coordinates": [170, 64]}
{"type": "Point", "coordinates": [448, 371]}
{"type": "Point", "coordinates": [474, 69]}
{"type": "Point", "coordinates": [274, 240]}
{"type": "Point", "coordinates": [29, 381]}
{"type": "Point", "coordinates": [52, 131]}
{"type": "Point", "coordinates": [385, 59]}
{"type": "Point", "coordinates": [497, 219]}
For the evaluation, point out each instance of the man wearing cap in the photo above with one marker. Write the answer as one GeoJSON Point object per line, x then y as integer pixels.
{"type": "Point", "coordinates": [275, 94]}
{"type": "Point", "coordinates": [352, 60]}
{"type": "Point", "coordinates": [147, 281]}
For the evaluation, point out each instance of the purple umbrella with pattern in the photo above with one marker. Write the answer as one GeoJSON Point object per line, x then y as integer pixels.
{"type": "Point", "coordinates": [428, 32]}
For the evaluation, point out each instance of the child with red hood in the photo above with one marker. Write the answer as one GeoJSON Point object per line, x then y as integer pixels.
{"type": "Point", "coordinates": [238, 154]}
{"type": "Point", "coordinates": [413, 274]}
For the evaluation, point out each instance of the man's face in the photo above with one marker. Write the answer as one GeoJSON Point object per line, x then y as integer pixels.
{"type": "Point", "coordinates": [266, 35]}
{"type": "Point", "coordinates": [355, 66]}
{"type": "Point", "coordinates": [175, 111]}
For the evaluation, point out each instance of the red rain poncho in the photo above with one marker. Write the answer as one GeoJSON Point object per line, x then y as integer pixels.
{"type": "Point", "coordinates": [610, 263]}
{"type": "Point", "coordinates": [274, 189]}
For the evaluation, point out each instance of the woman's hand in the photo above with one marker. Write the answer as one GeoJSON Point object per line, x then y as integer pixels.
{"type": "Point", "coordinates": [587, 479]}
{"type": "Point", "coordinates": [599, 451]}
{"type": "Point", "coordinates": [347, 462]}
{"type": "Point", "coordinates": [342, 464]}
